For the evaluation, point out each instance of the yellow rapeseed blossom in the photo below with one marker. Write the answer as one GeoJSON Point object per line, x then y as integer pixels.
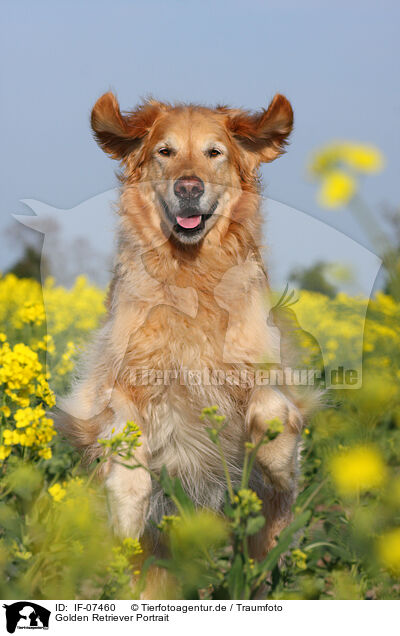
{"type": "Point", "coordinates": [337, 188]}
{"type": "Point", "coordinates": [389, 550]}
{"type": "Point", "coordinates": [10, 437]}
{"type": "Point", "coordinates": [19, 366]}
{"type": "Point", "coordinates": [38, 430]}
{"type": "Point", "coordinates": [341, 329]}
{"type": "Point", "coordinates": [15, 293]}
{"type": "Point", "coordinates": [361, 158]}
{"type": "Point", "coordinates": [30, 313]}
{"type": "Point", "coordinates": [300, 559]}
{"type": "Point", "coordinates": [45, 453]}
{"type": "Point", "coordinates": [33, 430]}
{"type": "Point", "coordinates": [337, 165]}
{"type": "Point", "coordinates": [57, 492]}
{"type": "Point", "coordinates": [66, 364]}
{"type": "Point", "coordinates": [46, 344]}
{"type": "Point", "coordinates": [357, 469]}
{"type": "Point", "coordinates": [20, 553]}
{"type": "Point", "coordinates": [77, 309]}
{"type": "Point", "coordinates": [168, 522]}
{"type": "Point", "coordinates": [43, 391]}
{"type": "Point", "coordinates": [132, 546]}
{"type": "Point", "coordinates": [248, 501]}
{"type": "Point", "coordinates": [4, 452]}
{"type": "Point", "coordinates": [24, 417]}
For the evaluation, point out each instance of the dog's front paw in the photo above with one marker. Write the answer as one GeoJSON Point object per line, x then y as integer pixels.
{"type": "Point", "coordinates": [277, 458]}
{"type": "Point", "coordinates": [128, 496]}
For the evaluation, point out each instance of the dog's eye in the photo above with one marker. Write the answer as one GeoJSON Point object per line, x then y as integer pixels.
{"type": "Point", "coordinates": [165, 152]}
{"type": "Point", "coordinates": [214, 152]}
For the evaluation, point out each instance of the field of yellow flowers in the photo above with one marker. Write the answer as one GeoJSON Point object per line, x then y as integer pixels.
{"type": "Point", "coordinates": [53, 514]}
{"type": "Point", "coordinates": [344, 541]}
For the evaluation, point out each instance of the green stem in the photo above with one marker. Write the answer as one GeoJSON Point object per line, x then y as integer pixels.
{"type": "Point", "coordinates": [226, 471]}
{"type": "Point", "coordinates": [245, 474]}
{"type": "Point", "coordinates": [311, 497]}
{"type": "Point", "coordinates": [253, 454]}
{"type": "Point", "coordinates": [368, 222]}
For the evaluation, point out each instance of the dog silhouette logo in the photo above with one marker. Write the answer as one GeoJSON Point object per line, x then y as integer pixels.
{"type": "Point", "coordinates": [26, 615]}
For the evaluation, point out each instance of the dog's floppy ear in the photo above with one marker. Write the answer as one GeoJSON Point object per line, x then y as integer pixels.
{"type": "Point", "coordinates": [264, 134]}
{"type": "Point", "coordinates": [120, 134]}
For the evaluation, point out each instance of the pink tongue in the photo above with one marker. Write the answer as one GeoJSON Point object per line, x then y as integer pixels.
{"type": "Point", "coordinates": [189, 222]}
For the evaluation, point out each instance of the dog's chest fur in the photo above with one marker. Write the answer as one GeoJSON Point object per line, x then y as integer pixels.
{"type": "Point", "coordinates": [196, 318]}
{"type": "Point", "coordinates": [192, 334]}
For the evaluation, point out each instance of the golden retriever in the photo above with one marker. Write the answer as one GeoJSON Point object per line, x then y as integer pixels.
{"type": "Point", "coordinates": [189, 292]}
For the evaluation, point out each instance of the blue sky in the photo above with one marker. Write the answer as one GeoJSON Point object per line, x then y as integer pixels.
{"type": "Point", "coordinates": [338, 64]}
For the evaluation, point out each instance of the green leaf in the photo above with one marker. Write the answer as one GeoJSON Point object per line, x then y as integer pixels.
{"type": "Point", "coordinates": [174, 489]}
{"type": "Point", "coordinates": [284, 542]}
{"type": "Point", "coordinates": [141, 584]}
{"type": "Point", "coordinates": [254, 524]}
{"type": "Point", "coordinates": [236, 578]}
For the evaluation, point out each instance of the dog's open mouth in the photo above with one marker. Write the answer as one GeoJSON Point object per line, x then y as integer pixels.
{"type": "Point", "coordinates": [187, 225]}
{"type": "Point", "coordinates": [188, 222]}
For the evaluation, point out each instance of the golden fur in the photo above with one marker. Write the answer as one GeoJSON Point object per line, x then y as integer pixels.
{"type": "Point", "coordinates": [177, 302]}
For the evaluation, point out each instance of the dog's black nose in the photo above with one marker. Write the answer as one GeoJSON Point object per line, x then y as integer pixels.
{"type": "Point", "coordinates": [189, 187]}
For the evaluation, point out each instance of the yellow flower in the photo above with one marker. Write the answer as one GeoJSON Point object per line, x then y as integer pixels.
{"type": "Point", "coordinates": [132, 546]}
{"type": "Point", "coordinates": [358, 469]}
{"type": "Point", "coordinates": [389, 550]}
{"type": "Point", "coordinates": [72, 483]}
{"type": "Point", "coordinates": [30, 312]}
{"type": "Point", "coordinates": [43, 391]}
{"type": "Point", "coordinates": [337, 165]}
{"type": "Point", "coordinates": [20, 553]}
{"type": "Point", "coordinates": [19, 366]}
{"type": "Point", "coordinates": [300, 559]}
{"type": "Point", "coordinates": [362, 157]}
{"type": "Point", "coordinates": [46, 344]}
{"type": "Point", "coordinates": [57, 492]}
{"type": "Point", "coordinates": [24, 417]}
{"type": "Point", "coordinates": [10, 437]}
{"type": "Point", "coordinates": [4, 452]}
{"type": "Point", "coordinates": [168, 522]}
{"type": "Point", "coordinates": [337, 189]}
{"type": "Point", "coordinates": [67, 364]}
{"type": "Point", "coordinates": [248, 501]}
{"type": "Point", "coordinates": [45, 453]}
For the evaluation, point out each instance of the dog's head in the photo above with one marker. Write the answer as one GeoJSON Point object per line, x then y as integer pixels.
{"type": "Point", "coordinates": [190, 163]}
